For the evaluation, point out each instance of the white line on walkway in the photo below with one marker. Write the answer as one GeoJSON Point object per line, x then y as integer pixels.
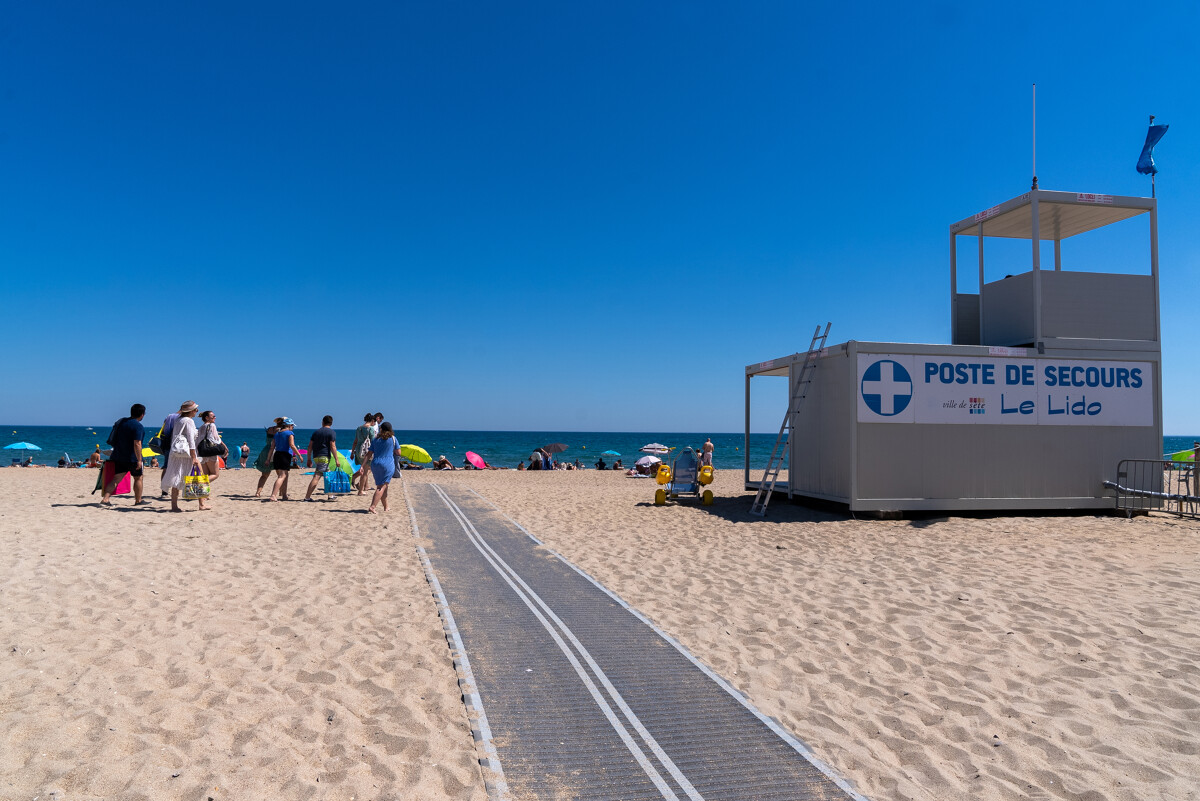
{"type": "Point", "coordinates": [473, 701]}
{"type": "Point", "coordinates": [530, 597]}
{"type": "Point", "coordinates": [770, 723]}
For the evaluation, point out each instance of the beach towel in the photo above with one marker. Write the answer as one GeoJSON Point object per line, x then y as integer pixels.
{"type": "Point", "coordinates": [338, 462]}
{"type": "Point", "coordinates": [106, 473]}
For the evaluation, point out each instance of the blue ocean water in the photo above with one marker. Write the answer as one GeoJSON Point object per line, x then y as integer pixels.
{"type": "Point", "coordinates": [499, 448]}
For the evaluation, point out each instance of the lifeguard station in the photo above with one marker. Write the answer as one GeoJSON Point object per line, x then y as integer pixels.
{"type": "Point", "coordinates": [1053, 376]}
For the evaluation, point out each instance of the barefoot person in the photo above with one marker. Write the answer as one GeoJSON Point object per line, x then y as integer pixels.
{"type": "Point", "coordinates": [706, 453]}
{"type": "Point", "coordinates": [263, 462]}
{"type": "Point", "coordinates": [182, 455]}
{"type": "Point", "coordinates": [383, 464]}
{"type": "Point", "coordinates": [361, 451]}
{"type": "Point", "coordinates": [209, 441]}
{"type": "Point", "coordinates": [245, 454]}
{"type": "Point", "coordinates": [126, 454]}
{"type": "Point", "coordinates": [285, 451]}
{"type": "Point", "coordinates": [321, 447]}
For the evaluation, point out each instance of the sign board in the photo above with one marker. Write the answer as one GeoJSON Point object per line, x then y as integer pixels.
{"type": "Point", "coordinates": [997, 391]}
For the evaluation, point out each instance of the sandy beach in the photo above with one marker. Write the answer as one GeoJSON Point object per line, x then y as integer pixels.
{"type": "Point", "coordinates": [294, 651]}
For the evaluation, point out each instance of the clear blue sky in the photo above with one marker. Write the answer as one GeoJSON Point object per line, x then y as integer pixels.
{"type": "Point", "coordinates": [549, 216]}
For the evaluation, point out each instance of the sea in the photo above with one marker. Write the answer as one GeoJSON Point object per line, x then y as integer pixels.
{"type": "Point", "coordinates": [498, 448]}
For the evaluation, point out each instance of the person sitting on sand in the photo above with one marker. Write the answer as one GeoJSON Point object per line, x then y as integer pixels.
{"type": "Point", "coordinates": [600, 465]}
{"type": "Point", "coordinates": [521, 465]}
{"type": "Point", "coordinates": [443, 463]}
{"type": "Point", "coordinates": [94, 459]}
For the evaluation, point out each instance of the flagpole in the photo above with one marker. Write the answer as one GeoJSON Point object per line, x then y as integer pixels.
{"type": "Point", "coordinates": [1154, 174]}
{"type": "Point", "coordinates": [1035, 186]}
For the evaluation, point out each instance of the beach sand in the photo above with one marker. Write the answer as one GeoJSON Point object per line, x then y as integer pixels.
{"type": "Point", "coordinates": [294, 651]}
{"type": "Point", "coordinates": [285, 650]}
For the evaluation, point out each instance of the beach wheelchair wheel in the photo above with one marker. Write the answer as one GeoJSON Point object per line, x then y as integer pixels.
{"type": "Point", "coordinates": [660, 497]}
{"type": "Point", "coordinates": [707, 498]}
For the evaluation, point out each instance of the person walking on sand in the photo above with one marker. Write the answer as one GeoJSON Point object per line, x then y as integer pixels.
{"type": "Point", "coordinates": [126, 454]}
{"type": "Point", "coordinates": [383, 464]}
{"type": "Point", "coordinates": [322, 445]}
{"type": "Point", "coordinates": [245, 454]}
{"type": "Point", "coordinates": [284, 452]}
{"type": "Point", "coordinates": [361, 451]}
{"type": "Point", "coordinates": [210, 446]}
{"type": "Point", "coordinates": [182, 455]}
{"type": "Point", "coordinates": [164, 440]}
{"type": "Point", "coordinates": [706, 453]}
{"type": "Point", "coordinates": [263, 462]}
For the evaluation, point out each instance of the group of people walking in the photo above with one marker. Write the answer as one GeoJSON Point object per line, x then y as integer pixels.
{"type": "Point", "coordinates": [189, 451]}
{"type": "Point", "coordinates": [375, 449]}
{"type": "Point", "coordinates": [199, 451]}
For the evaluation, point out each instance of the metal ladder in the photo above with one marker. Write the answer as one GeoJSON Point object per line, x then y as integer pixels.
{"type": "Point", "coordinates": [778, 453]}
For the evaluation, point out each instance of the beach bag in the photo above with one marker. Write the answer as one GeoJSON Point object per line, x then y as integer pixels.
{"type": "Point", "coordinates": [195, 486]}
{"type": "Point", "coordinates": [337, 483]}
{"type": "Point", "coordinates": [179, 443]}
{"type": "Point", "coordinates": [210, 447]}
{"type": "Point", "coordinates": [206, 447]}
{"type": "Point", "coordinates": [112, 434]}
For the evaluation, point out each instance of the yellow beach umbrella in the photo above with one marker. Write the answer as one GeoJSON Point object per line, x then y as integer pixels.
{"type": "Point", "coordinates": [414, 453]}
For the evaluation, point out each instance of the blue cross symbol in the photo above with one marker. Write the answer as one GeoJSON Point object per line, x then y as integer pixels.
{"type": "Point", "coordinates": [886, 388]}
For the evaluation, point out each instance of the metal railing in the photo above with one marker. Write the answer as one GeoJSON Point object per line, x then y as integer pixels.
{"type": "Point", "coordinates": [1145, 485]}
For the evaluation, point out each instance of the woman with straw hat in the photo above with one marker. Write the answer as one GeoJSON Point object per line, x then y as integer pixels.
{"type": "Point", "coordinates": [182, 456]}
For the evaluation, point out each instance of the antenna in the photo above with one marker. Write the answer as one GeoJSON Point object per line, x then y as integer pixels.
{"type": "Point", "coordinates": [1035, 186]}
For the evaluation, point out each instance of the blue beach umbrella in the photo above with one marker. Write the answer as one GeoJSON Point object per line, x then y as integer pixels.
{"type": "Point", "coordinates": [22, 446]}
{"type": "Point", "coordinates": [610, 453]}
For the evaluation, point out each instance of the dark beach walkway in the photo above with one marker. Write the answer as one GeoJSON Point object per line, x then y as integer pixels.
{"type": "Point", "coordinates": [573, 695]}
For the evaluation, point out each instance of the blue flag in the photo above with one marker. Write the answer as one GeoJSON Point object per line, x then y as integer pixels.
{"type": "Point", "coordinates": [1145, 163]}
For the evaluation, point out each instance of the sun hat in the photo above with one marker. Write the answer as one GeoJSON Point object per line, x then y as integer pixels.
{"type": "Point", "coordinates": [188, 406]}
{"type": "Point", "coordinates": [287, 421]}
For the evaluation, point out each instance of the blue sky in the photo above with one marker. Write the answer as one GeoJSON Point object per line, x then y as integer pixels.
{"type": "Point", "coordinates": [541, 216]}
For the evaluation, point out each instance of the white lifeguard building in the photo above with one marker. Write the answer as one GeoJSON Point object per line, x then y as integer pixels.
{"type": "Point", "coordinates": [1052, 378]}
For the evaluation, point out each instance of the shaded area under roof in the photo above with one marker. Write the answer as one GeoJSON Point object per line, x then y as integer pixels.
{"type": "Point", "coordinates": [1060, 215]}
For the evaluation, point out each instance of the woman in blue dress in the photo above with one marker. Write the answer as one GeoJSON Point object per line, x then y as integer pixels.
{"type": "Point", "coordinates": [383, 464]}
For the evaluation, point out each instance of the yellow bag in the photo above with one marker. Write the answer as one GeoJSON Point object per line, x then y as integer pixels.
{"type": "Point", "coordinates": [195, 486]}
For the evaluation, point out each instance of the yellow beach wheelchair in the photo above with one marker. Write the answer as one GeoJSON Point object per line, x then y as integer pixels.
{"type": "Point", "coordinates": [684, 477]}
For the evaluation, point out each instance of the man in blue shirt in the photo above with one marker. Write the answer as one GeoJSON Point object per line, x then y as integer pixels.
{"type": "Point", "coordinates": [321, 447]}
{"type": "Point", "coordinates": [126, 457]}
